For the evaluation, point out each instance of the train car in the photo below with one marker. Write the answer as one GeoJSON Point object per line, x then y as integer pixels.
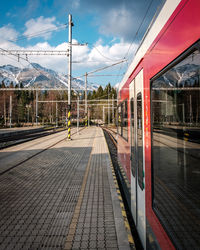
{"type": "Point", "coordinates": [159, 130]}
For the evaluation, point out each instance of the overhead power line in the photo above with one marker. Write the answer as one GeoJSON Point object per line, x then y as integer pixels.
{"type": "Point", "coordinates": [25, 59]}
{"type": "Point", "coordinates": [100, 69]}
{"type": "Point", "coordinates": [114, 60]}
{"type": "Point", "coordinates": [144, 17]}
{"type": "Point", "coordinates": [28, 52]}
{"type": "Point", "coordinates": [92, 61]}
{"type": "Point", "coordinates": [38, 89]}
{"type": "Point", "coordinates": [104, 75]}
{"type": "Point", "coordinates": [34, 52]}
{"type": "Point", "coordinates": [136, 34]}
{"type": "Point", "coordinates": [39, 33]}
{"type": "Point", "coordinates": [97, 70]}
{"type": "Point", "coordinates": [6, 52]}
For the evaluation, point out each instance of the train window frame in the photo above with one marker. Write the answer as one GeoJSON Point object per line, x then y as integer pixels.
{"type": "Point", "coordinates": [181, 57]}
{"type": "Point", "coordinates": [132, 137]}
{"type": "Point", "coordinates": [125, 113]}
{"type": "Point", "coordinates": [122, 112]}
{"type": "Point", "coordinates": [140, 175]}
{"type": "Point", "coordinates": [189, 51]}
{"type": "Point", "coordinates": [119, 119]}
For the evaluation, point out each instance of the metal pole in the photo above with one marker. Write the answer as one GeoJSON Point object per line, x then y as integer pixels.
{"type": "Point", "coordinates": [78, 114]}
{"type": "Point", "coordinates": [113, 109]}
{"type": "Point", "coordinates": [10, 111]}
{"type": "Point", "coordinates": [108, 108]}
{"type": "Point", "coordinates": [28, 113]}
{"type": "Point", "coordinates": [103, 115]}
{"type": "Point", "coordinates": [86, 108]}
{"type": "Point", "coordinates": [88, 117]}
{"type": "Point", "coordinates": [56, 114]}
{"type": "Point", "coordinates": [69, 76]}
{"type": "Point", "coordinates": [5, 123]}
{"type": "Point", "coordinates": [36, 108]}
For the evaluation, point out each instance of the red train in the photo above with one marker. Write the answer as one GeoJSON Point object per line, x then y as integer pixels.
{"type": "Point", "coordinates": [159, 130]}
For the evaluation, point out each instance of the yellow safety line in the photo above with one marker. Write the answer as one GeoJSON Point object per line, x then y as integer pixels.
{"type": "Point", "coordinates": [128, 230]}
{"type": "Point", "coordinates": [72, 227]}
{"type": "Point", "coordinates": [130, 238]}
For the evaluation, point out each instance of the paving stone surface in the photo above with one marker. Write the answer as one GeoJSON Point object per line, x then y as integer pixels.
{"type": "Point", "coordinates": [38, 199]}
{"type": "Point", "coordinates": [92, 229]}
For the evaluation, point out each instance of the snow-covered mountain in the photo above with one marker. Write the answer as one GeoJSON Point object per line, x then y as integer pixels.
{"type": "Point", "coordinates": [181, 76]}
{"type": "Point", "coordinates": [37, 76]}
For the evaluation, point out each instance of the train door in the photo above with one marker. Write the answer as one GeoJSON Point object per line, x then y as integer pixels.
{"type": "Point", "coordinates": [139, 157]}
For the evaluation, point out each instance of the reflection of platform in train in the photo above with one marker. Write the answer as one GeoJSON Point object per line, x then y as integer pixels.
{"type": "Point", "coordinates": [176, 186]}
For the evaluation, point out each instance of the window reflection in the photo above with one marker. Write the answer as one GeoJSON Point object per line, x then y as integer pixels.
{"type": "Point", "coordinates": [123, 119]}
{"type": "Point", "coordinates": [132, 138]}
{"type": "Point", "coordinates": [176, 151]}
{"type": "Point", "coordinates": [140, 141]}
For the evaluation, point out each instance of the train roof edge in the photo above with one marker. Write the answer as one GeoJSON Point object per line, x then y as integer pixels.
{"type": "Point", "coordinates": [150, 35]}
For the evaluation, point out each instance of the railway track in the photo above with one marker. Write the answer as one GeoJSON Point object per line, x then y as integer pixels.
{"type": "Point", "coordinates": [36, 153]}
{"type": "Point", "coordinates": [111, 140]}
{"type": "Point", "coordinates": [11, 140]}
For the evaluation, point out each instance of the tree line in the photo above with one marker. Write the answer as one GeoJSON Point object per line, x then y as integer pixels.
{"type": "Point", "coordinates": [18, 107]}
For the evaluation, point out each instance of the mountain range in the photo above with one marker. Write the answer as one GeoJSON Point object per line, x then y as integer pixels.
{"type": "Point", "coordinates": [37, 76]}
{"type": "Point", "coordinates": [181, 76]}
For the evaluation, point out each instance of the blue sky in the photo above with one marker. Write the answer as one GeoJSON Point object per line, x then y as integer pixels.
{"type": "Point", "coordinates": [108, 27]}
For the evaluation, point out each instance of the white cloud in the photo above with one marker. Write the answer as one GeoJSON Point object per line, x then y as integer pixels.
{"type": "Point", "coordinates": [117, 22]}
{"type": "Point", "coordinates": [90, 58]}
{"type": "Point", "coordinates": [106, 54]}
{"type": "Point", "coordinates": [80, 53]}
{"type": "Point", "coordinates": [8, 33]}
{"type": "Point", "coordinates": [37, 26]}
{"type": "Point", "coordinates": [41, 46]}
{"type": "Point", "coordinates": [30, 7]}
{"type": "Point", "coordinates": [75, 4]}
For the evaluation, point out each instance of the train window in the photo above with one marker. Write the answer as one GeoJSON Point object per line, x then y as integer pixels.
{"type": "Point", "coordinates": [122, 119]}
{"type": "Point", "coordinates": [175, 102]}
{"type": "Point", "coordinates": [140, 141]}
{"type": "Point", "coordinates": [119, 130]}
{"type": "Point", "coordinates": [132, 137]}
{"type": "Point", "coordinates": [125, 120]}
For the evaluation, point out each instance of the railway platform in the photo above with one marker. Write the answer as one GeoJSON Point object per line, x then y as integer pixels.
{"type": "Point", "coordinates": [60, 194]}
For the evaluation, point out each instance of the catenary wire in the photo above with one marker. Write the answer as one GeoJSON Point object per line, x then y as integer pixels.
{"type": "Point", "coordinates": [144, 17]}
{"type": "Point", "coordinates": [39, 33]}
{"type": "Point", "coordinates": [135, 36]}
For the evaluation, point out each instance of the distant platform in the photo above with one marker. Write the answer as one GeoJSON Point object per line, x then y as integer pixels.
{"type": "Point", "coordinates": [20, 129]}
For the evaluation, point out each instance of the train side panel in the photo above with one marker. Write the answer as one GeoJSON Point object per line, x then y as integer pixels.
{"type": "Point", "coordinates": [179, 33]}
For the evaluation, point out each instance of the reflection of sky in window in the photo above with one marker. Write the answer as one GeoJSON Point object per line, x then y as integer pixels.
{"type": "Point", "coordinates": [194, 58]}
